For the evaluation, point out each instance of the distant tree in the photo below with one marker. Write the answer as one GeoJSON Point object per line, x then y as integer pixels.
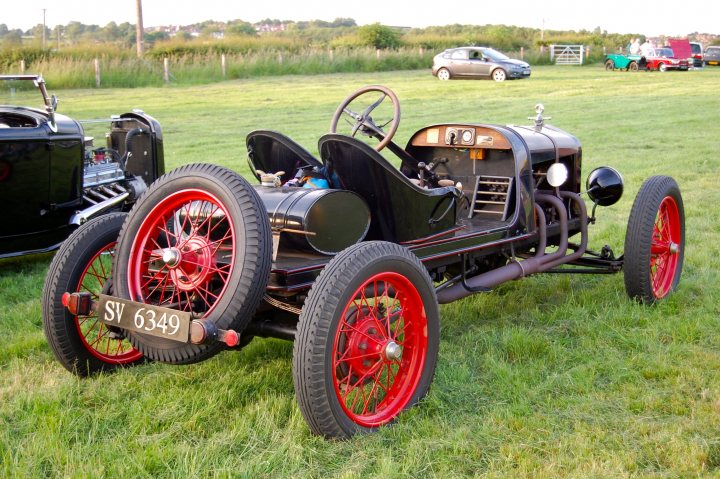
{"type": "Point", "coordinates": [74, 30]}
{"type": "Point", "coordinates": [152, 37]}
{"type": "Point", "coordinates": [240, 28]}
{"type": "Point", "coordinates": [343, 22]}
{"type": "Point", "coordinates": [37, 32]}
{"type": "Point", "coordinates": [12, 38]}
{"type": "Point", "coordinates": [3, 30]}
{"type": "Point", "coordinates": [378, 36]}
{"type": "Point", "coordinates": [111, 32]}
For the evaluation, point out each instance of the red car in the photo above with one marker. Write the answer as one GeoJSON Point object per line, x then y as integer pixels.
{"type": "Point", "coordinates": [662, 59]}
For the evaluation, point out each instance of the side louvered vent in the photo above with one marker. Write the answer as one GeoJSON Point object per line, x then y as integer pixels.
{"type": "Point", "coordinates": [492, 197]}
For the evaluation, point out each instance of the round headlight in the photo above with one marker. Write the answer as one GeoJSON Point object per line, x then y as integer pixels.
{"type": "Point", "coordinates": [557, 174]}
{"type": "Point", "coordinates": [605, 186]}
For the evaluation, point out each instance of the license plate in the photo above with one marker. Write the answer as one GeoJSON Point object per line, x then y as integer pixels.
{"type": "Point", "coordinates": [526, 72]}
{"type": "Point", "coordinates": [145, 318]}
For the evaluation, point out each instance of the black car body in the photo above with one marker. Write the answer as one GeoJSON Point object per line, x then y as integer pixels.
{"type": "Point", "coordinates": [478, 62]}
{"type": "Point", "coordinates": [53, 179]}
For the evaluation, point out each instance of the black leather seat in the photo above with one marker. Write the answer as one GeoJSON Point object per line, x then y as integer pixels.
{"type": "Point", "coordinates": [400, 210]}
{"type": "Point", "coordinates": [271, 152]}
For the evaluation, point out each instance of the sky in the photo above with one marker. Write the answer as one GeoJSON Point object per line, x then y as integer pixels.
{"type": "Point", "coordinates": [668, 17]}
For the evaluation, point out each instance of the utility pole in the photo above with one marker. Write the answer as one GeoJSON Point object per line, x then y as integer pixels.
{"type": "Point", "coordinates": [44, 10]}
{"type": "Point", "coordinates": [139, 30]}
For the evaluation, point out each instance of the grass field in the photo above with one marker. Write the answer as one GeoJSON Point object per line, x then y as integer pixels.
{"type": "Point", "coordinates": [552, 376]}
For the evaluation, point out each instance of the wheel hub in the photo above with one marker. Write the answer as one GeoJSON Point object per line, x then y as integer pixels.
{"type": "Point", "coordinates": [190, 265]}
{"type": "Point", "coordinates": [393, 351]}
{"type": "Point", "coordinates": [171, 257]}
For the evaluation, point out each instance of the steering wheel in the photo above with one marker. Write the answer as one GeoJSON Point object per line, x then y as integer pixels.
{"type": "Point", "coordinates": [363, 122]}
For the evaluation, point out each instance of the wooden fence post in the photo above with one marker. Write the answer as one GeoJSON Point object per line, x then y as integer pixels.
{"type": "Point", "coordinates": [280, 58]}
{"type": "Point", "coordinates": [522, 53]}
{"type": "Point", "coordinates": [377, 53]}
{"type": "Point", "coordinates": [166, 70]}
{"type": "Point", "coordinates": [223, 64]}
{"type": "Point", "coordinates": [22, 66]}
{"type": "Point", "coordinates": [97, 72]}
{"type": "Point", "coordinates": [331, 54]}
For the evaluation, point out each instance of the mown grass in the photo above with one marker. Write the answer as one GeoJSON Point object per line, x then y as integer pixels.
{"type": "Point", "coordinates": [551, 376]}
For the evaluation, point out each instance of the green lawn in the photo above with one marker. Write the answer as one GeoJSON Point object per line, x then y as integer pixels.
{"type": "Point", "coordinates": [552, 376]}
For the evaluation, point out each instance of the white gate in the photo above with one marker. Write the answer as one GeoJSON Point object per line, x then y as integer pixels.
{"type": "Point", "coordinates": [567, 54]}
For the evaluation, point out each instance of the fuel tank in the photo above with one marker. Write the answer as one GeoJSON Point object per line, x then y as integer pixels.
{"type": "Point", "coordinates": [321, 220]}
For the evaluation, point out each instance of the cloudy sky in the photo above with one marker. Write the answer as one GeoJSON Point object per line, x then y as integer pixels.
{"type": "Point", "coordinates": [615, 16]}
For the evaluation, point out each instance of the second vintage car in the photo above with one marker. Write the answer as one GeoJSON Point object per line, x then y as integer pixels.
{"type": "Point", "coordinates": [53, 177]}
{"type": "Point", "coordinates": [478, 62]}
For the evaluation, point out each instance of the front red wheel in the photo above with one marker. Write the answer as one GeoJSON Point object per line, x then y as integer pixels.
{"type": "Point", "coordinates": [379, 350]}
{"type": "Point", "coordinates": [367, 340]}
{"type": "Point", "coordinates": [655, 241]}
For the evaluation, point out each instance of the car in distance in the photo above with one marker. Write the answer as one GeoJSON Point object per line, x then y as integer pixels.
{"type": "Point", "coordinates": [478, 62]}
{"type": "Point", "coordinates": [52, 178]}
{"type": "Point", "coordinates": [712, 56]}
{"type": "Point", "coordinates": [697, 55]}
{"type": "Point", "coordinates": [663, 59]}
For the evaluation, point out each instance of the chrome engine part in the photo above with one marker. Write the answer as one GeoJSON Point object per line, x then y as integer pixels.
{"type": "Point", "coordinates": [97, 174]}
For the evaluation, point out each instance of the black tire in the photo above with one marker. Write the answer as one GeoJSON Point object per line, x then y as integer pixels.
{"type": "Point", "coordinates": [333, 320]}
{"type": "Point", "coordinates": [662, 67]}
{"type": "Point", "coordinates": [655, 241]}
{"type": "Point", "coordinates": [85, 346]}
{"type": "Point", "coordinates": [609, 65]}
{"type": "Point", "coordinates": [214, 225]}
{"type": "Point", "coordinates": [633, 67]}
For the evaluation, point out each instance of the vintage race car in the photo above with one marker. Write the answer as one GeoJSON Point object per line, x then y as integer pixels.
{"type": "Point", "coordinates": [618, 61]}
{"type": "Point", "coordinates": [53, 178]}
{"type": "Point", "coordinates": [346, 254]}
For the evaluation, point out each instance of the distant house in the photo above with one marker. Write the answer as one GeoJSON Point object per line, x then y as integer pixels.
{"type": "Point", "coordinates": [270, 27]}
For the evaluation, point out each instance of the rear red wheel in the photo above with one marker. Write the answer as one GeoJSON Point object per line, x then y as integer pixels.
{"type": "Point", "coordinates": [83, 344]}
{"type": "Point", "coordinates": [367, 340]}
{"type": "Point", "coordinates": [183, 253]}
{"type": "Point", "coordinates": [197, 241]}
{"type": "Point", "coordinates": [655, 241]}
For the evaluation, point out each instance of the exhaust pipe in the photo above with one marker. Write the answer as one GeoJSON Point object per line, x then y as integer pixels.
{"type": "Point", "coordinates": [535, 264]}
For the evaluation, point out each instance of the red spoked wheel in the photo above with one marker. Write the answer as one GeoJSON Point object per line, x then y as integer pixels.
{"type": "Point", "coordinates": [367, 340]}
{"type": "Point", "coordinates": [183, 253]}
{"type": "Point", "coordinates": [106, 344]}
{"type": "Point", "coordinates": [655, 241]}
{"type": "Point", "coordinates": [198, 241]}
{"type": "Point", "coordinates": [665, 247]}
{"type": "Point", "coordinates": [379, 350]}
{"type": "Point", "coordinates": [83, 344]}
